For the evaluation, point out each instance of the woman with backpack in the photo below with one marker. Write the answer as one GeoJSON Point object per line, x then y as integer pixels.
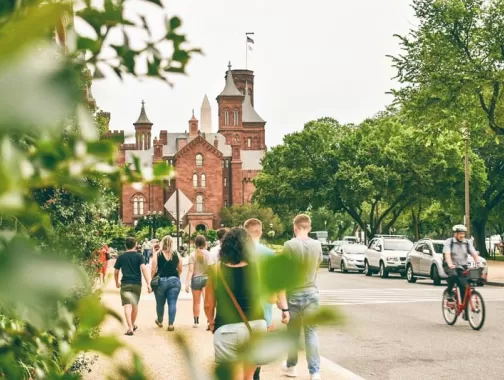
{"type": "Point", "coordinates": [166, 268]}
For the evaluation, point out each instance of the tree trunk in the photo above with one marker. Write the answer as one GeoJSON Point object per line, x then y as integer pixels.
{"type": "Point", "coordinates": [478, 226]}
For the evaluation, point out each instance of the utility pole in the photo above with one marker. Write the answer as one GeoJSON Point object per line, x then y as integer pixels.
{"type": "Point", "coordinates": [467, 218]}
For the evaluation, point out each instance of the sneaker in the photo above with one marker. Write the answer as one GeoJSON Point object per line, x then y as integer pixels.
{"type": "Point", "coordinates": [315, 376]}
{"type": "Point", "coordinates": [289, 371]}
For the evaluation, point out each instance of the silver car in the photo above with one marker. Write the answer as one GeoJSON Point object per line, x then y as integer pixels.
{"type": "Point", "coordinates": [347, 257]}
{"type": "Point", "coordinates": [426, 260]}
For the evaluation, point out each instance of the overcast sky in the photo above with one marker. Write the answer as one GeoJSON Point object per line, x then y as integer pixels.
{"type": "Point", "coordinates": [311, 59]}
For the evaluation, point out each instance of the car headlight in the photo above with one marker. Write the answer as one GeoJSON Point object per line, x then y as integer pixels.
{"type": "Point", "coordinates": [392, 259]}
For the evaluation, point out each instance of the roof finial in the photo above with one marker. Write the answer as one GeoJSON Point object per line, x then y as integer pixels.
{"type": "Point", "coordinates": [193, 112]}
{"type": "Point", "coordinates": [143, 103]}
{"type": "Point", "coordinates": [229, 66]}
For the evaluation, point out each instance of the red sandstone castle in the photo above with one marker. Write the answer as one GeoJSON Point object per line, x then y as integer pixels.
{"type": "Point", "coordinates": [214, 170]}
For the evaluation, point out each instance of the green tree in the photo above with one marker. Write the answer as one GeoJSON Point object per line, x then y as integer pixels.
{"type": "Point", "coordinates": [236, 215]}
{"type": "Point", "coordinates": [450, 66]}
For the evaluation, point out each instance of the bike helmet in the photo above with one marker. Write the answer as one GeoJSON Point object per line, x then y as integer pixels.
{"type": "Point", "coordinates": [459, 228]}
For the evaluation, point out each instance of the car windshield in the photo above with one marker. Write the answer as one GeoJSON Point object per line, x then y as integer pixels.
{"type": "Point", "coordinates": [438, 247]}
{"type": "Point", "coordinates": [398, 245]}
{"type": "Point", "coordinates": [355, 249]}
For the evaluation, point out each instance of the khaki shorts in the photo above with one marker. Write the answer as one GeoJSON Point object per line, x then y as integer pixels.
{"type": "Point", "coordinates": [130, 294]}
{"type": "Point", "coordinates": [229, 338]}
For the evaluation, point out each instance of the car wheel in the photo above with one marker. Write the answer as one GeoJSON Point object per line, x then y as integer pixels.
{"type": "Point", "coordinates": [343, 267]}
{"type": "Point", "coordinates": [367, 270]}
{"type": "Point", "coordinates": [329, 266]}
{"type": "Point", "coordinates": [383, 271]}
{"type": "Point", "coordinates": [435, 276]}
{"type": "Point", "coordinates": [409, 275]}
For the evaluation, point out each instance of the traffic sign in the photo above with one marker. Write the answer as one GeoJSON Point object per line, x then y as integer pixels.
{"type": "Point", "coordinates": [184, 205]}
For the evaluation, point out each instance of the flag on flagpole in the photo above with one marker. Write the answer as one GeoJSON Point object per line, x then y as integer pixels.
{"type": "Point", "coordinates": [250, 40]}
{"type": "Point", "coordinates": [249, 47]}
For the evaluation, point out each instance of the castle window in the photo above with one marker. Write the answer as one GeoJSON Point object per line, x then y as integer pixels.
{"type": "Point", "coordinates": [225, 182]}
{"type": "Point", "coordinates": [199, 203]}
{"type": "Point", "coordinates": [227, 163]}
{"type": "Point", "coordinates": [225, 204]}
{"type": "Point", "coordinates": [199, 159]}
{"type": "Point", "coordinates": [195, 180]}
{"type": "Point", "coordinates": [138, 205]}
{"type": "Point", "coordinates": [203, 180]}
{"type": "Point", "coordinates": [235, 114]}
{"type": "Point", "coordinates": [226, 117]}
{"type": "Point", "coordinates": [249, 142]}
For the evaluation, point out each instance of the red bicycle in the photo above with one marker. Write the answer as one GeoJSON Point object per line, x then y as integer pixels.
{"type": "Point", "coordinates": [472, 304]}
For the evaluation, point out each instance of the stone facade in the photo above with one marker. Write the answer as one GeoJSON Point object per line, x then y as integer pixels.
{"type": "Point", "coordinates": [213, 170]}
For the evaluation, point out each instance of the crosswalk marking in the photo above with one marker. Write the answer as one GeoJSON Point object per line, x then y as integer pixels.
{"type": "Point", "coordinates": [369, 296]}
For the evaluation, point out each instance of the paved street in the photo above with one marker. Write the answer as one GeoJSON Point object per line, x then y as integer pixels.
{"type": "Point", "coordinates": [395, 330]}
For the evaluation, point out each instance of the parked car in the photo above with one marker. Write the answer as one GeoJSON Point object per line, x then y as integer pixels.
{"type": "Point", "coordinates": [350, 239]}
{"type": "Point", "coordinates": [387, 254]}
{"type": "Point", "coordinates": [326, 248]}
{"type": "Point", "coordinates": [347, 257]}
{"type": "Point", "coordinates": [425, 260]}
{"type": "Point", "coordinates": [321, 236]}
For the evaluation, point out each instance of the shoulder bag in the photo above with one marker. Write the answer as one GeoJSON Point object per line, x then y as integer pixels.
{"type": "Point", "coordinates": [155, 280]}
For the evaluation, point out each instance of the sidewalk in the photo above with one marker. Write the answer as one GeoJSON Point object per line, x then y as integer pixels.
{"type": "Point", "coordinates": [161, 356]}
{"type": "Point", "coordinates": [495, 273]}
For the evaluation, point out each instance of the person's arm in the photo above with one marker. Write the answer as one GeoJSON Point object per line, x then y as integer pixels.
{"type": "Point", "coordinates": [145, 273]}
{"type": "Point", "coordinates": [189, 276]}
{"type": "Point", "coordinates": [154, 265]}
{"type": "Point", "coordinates": [116, 277]}
{"type": "Point", "coordinates": [210, 301]}
{"type": "Point", "coordinates": [473, 251]}
{"type": "Point", "coordinates": [179, 266]}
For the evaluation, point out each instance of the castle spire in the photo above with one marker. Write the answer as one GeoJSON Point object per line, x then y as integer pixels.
{"type": "Point", "coordinates": [250, 115]}
{"type": "Point", "coordinates": [230, 89]}
{"type": "Point", "coordinates": [143, 119]}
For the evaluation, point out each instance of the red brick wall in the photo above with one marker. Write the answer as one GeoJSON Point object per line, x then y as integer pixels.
{"type": "Point", "coordinates": [185, 167]}
{"type": "Point", "coordinates": [153, 201]}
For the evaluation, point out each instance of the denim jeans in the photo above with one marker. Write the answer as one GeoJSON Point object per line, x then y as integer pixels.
{"type": "Point", "coordinates": [168, 290]}
{"type": "Point", "coordinates": [301, 305]}
{"type": "Point", "coordinates": [147, 254]}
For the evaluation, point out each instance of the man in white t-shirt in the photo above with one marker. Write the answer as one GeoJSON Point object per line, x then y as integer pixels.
{"type": "Point", "coordinates": [214, 251]}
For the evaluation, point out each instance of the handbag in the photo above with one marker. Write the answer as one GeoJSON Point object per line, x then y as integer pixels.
{"type": "Point", "coordinates": [155, 280]}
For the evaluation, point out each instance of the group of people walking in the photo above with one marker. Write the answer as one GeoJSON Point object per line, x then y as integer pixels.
{"type": "Point", "coordinates": [228, 277]}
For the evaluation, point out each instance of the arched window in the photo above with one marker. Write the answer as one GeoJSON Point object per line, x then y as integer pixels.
{"type": "Point", "coordinates": [235, 117]}
{"type": "Point", "coordinates": [226, 117]}
{"type": "Point", "coordinates": [138, 205]}
{"type": "Point", "coordinates": [195, 180]}
{"type": "Point", "coordinates": [199, 159]}
{"type": "Point", "coordinates": [225, 182]}
{"type": "Point", "coordinates": [199, 203]}
{"type": "Point", "coordinates": [249, 142]}
{"type": "Point", "coordinates": [203, 180]}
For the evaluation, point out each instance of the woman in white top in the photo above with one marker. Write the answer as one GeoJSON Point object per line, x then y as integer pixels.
{"type": "Point", "coordinates": [197, 276]}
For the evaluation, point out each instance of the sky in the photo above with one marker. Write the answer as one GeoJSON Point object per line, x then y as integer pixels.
{"type": "Point", "coordinates": [310, 59]}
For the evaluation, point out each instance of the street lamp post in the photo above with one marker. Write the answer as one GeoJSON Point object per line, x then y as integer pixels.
{"type": "Point", "coordinates": [152, 218]}
{"type": "Point", "coordinates": [467, 217]}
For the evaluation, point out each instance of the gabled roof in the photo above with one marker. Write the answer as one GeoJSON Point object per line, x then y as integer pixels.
{"type": "Point", "coordinates": [249, 113]}
{"type": "Point", "coordinates": [170, 149]}
{"type": "Point", "coordinates": [230, 88]}
{"type": "Point", "coordinates": [197, 140]}
{"type": "Point", "coordinates": [143, 119]}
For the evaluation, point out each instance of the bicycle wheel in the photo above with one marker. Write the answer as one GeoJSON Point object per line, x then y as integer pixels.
{"type": "Point", "coordinates": [476, 314]}
{"type": "Point", "coordinates": [449, 309]}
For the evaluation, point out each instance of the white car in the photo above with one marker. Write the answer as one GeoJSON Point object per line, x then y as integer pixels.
{"type": "Point", "coordinates": [426, 260]}
{"type": "Point", "coordinates": [387, 254]}
{"type": "Point", "coordinates": [347, 257]}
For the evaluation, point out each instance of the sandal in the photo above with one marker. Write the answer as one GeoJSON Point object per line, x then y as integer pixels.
{"type": "Point", "coordinates": [171, 328]}
{"type": "Point", "coordinates": [129, 333]}
{"type": "Point", "coordinates": [135, 328]}
{"type": "Point", "coordinates": [159, 324]}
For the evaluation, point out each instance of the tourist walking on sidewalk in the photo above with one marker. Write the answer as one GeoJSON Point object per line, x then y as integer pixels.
{"type": "Point", "coordinates": [146, 250]}
{"type": "Point", "coordinates": [214, 251]}
{"type": "Point", "coordinates": [132, 265]}
{"type": "Point", "coordinates": [197, 275]}
{"type": "Point", "coordinates": [233, 303]}
{"type": "Point", "coordinates": [166, 269]}
{"type": "Point", "coordinates": [303, 299]}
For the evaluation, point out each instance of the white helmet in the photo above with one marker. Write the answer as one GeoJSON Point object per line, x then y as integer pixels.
{"type": "Point", "coordinates": [459, 228]}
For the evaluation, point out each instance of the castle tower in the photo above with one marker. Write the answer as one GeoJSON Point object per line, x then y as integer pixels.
{"type": "Point", "coordinates": [193, 126]}
{"type": "Point", "coordinates": [230, 102]}
{"type": "Point", "coordinates": [206, 116]}
{"type": "Point", "coordinates": [143, 128]}
{"type": "Point", "coordinates": [242, 79]}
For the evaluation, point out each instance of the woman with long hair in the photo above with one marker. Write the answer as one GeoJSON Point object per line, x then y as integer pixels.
{"type": "Point", "coordinates": [233, 302]}
{"type": "Point", "coordinates": [167, 265]}
{"type": "Point", "coordinates": [197, 275]}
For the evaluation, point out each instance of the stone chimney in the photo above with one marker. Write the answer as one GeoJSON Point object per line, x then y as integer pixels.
{"type": "Point", "coordinates": [163, 137]}
{"type": "Point", "coordinates": [216, 142]}
{"type": "Point", "coordinates": [158, 150]}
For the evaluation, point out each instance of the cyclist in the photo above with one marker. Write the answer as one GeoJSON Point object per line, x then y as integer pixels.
{"type": "Point", "coordinates": [456, 251]}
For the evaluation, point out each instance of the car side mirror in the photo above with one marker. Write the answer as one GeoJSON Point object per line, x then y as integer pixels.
{"type": "Point", "coordinates": [426, 252]}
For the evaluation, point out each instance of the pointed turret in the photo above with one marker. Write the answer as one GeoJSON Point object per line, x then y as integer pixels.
{"type": "Point", "coordinates": [193, 126]}
{"type": "Point", "coordinates": [249, 113]}
{"type": "Point", "coordinates": [230, 89]}
{"type": "Point", "coordinates": [206, 116]}
{"type": "Point", "coordinates": [143, 127]}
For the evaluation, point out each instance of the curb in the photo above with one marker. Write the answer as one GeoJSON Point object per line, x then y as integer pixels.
{"type": "Point", "coordinates": [338, 370]}
{"type": "Point", "coordinates": [495, 283]}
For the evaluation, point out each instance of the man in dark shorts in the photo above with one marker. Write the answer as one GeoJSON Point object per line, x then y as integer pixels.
{"type": "Point", "coordinates": [132, 265]}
